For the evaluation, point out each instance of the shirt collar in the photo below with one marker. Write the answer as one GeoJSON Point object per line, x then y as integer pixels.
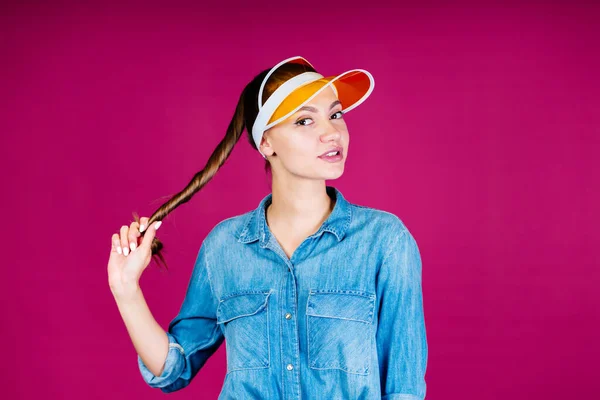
{"type": "Point", "coordinates": [337, 223]}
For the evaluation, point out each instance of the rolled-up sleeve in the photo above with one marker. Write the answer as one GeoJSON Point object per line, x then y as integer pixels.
{"type": "Point", "coordinates": [401, 336]}
{"type": "Point", "coordinates": [193, 334]}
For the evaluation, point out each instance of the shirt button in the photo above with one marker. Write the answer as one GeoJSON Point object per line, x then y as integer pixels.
{"type": "Point", "coordinates": [288, 315]}
{"type": "Point", "coordinates": [290, 367]}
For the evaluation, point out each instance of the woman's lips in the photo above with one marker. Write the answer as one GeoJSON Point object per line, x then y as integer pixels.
{"type": "Point", "coordinates": [332, 159]}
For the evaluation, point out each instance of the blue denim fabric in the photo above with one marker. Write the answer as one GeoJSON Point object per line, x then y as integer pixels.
{"type": "Point", "coordinates": [342, 319]}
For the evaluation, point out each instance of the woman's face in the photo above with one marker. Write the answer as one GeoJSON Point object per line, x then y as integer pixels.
{"type": "Point", "coordinates": [300, 141]}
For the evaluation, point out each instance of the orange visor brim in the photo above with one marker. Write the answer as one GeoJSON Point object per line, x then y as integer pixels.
{"type": "Point", "coordinates": [352, 87]}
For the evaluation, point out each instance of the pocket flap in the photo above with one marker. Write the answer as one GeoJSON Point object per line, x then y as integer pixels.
{"type": "Point", "coordinates": [241, 304]}
{"type": "Point", "coordinates": [343, 304]}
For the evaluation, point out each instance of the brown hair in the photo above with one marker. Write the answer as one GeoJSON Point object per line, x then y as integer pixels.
{"type": "Point", "coordinates": [244, 116]}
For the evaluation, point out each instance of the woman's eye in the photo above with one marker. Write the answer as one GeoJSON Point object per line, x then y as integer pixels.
{"type": "Point", "coordinates": [300, 121]}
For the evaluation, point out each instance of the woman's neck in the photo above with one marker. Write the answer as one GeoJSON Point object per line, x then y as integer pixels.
{"type": "Point", "coordinates": [299, 209]}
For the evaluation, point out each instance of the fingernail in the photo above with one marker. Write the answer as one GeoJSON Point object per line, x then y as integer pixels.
{"type": "Point", "coordinates": [142, 227]}
{"type": "Point", "coordinates": [132, 245]}
{"type": "Point", "coordinates": [119, 250]}
{"type": "Point", "coordinates": [157, 225]}
{"type": "Point", "coordinates": [126, 250]}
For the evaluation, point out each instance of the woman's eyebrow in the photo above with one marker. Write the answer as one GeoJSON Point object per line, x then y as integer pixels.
{"type": "Point", "coordinates": [313, 109]}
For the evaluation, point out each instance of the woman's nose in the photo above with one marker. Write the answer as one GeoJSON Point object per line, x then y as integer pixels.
{"type": "Point", "coordinates": [332, 132]}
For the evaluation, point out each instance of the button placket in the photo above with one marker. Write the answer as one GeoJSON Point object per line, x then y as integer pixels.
{"type": "Point", "coordinates": [290, 339]}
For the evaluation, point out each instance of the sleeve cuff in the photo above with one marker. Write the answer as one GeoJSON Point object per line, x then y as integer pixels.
{"type": "Point", "coordinates": [400, 396]}
{"type": "Point", "coordinates": [173, 367]}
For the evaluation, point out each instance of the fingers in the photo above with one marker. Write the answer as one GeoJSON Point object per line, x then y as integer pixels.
{"type": "Point", "coordinates": [133, 234]}
{"type": "Point", "coordinates": [116, 243]}
{"type": "Point", "coordinates": [143, 223]}
{"type": "Point", "coordinates": [124, 239]}
{"type": "Point", "coordinates": [149, 235]}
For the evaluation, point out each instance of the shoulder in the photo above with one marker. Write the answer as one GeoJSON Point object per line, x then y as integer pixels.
{"type": "Point", "coordinates": [387, 230]}
{"type": "Point", "coordinates": [399, 249]}
{"type": "Point", "coordinates": [385, 223]}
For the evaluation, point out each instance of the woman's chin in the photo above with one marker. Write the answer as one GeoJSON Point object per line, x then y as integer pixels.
{"type": "Point", "coordinates": [334, 174]}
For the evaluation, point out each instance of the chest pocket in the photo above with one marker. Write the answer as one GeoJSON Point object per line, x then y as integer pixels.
{"type": "Point", "coordinates": [245, 322]}
{"type": "Point", "coordinates": [339, 330]}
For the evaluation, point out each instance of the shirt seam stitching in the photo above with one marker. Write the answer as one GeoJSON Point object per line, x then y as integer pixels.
{"type": "Point", "coordinates": [391, 244]}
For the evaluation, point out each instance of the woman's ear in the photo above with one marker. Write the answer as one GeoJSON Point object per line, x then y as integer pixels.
{"type": "Point", "coordinates": [265, 146]}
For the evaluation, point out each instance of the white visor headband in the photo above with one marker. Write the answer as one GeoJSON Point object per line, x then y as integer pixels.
{"type": "Point", "coordinates": [265, 112]}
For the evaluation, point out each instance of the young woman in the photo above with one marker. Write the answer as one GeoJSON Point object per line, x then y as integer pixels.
{"type": "Point", "coordinates": [315, 297]}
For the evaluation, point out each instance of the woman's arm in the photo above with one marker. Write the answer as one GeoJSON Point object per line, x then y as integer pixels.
{"type": "Point", "coordinates": [401, 336]}
{"type": "Point", "coordinates": [149, 338]}
{"type": "Point", "coordinates": [192, 337]}
{"type": "Point", "coordinates": [124, 271]}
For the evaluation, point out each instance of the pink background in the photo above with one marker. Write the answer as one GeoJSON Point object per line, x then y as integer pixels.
{"type": "Point", "coordinates": [481, 135]}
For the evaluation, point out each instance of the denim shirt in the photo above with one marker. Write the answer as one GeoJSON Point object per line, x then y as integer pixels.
{"type": "Point", "coordinates": [341, 319]}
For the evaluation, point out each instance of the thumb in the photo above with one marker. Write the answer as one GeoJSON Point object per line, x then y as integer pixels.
{"type": "Point", "coordinates": [150, 233]}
